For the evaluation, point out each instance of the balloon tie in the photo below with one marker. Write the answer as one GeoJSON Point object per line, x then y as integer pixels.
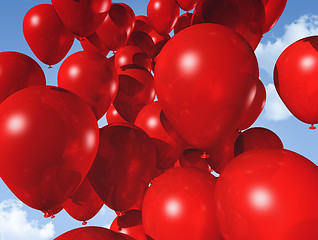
{"type": "Point", "coordinates": [120, 213]}
{"type": "Point", "coordinates": [52, 216]}
{"type": "Point", "coordinates": [84, 223]}
{"type": "Point", "coordinates": [47, 214]}
{"type": "Point", "coordinates": [312, 127]}
{"type": "Point", "coordinates": [205, 155]}
{"type": "Point", "coordinates": [49, 67]}
{"type": "Point", "coordinates": [188, 13]}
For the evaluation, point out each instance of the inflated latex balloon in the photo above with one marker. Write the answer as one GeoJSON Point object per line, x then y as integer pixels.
{"type": "Point", "coordinates": [295, 78]}
{"type": "Point", "coordinates": [181, 202]}
{"type": "Point", "coordinates": [130, 223]}
{"type": "Point", "coordinates": [132, 57]}
{"type": "Point", "coordinates": [152, 120]}
{"type": "Point", "coordinates": [18, 71]}
{"type": "Point", "coordinates": [183, 22]}
{"type": "Point", "coordinates": [46, 34]}
{"type": "Point", "coordinates": [92, 77]}
{"type": "Point", "coordinates": [82, 17]}
{"type": "Point", "coordinates": [117, 26]}
{"type": "Point", "coordinates": [255, 108]}
{"type": "Point", "coordinates": [124, 165]}
{"type": "Point", "coordinates": [187, 5]}
{"type": "Point", "coordinates": [273, 11]}
{"type": "Point", "coordinates": [268, 194]}
{"type": "Point", "coordinates": [247, 17]}
{"type": "Point", "coordinates": [163, 15]}
{"type": "Point", "coordinates": [84, 204]}
{"type": "Point", "coordinates": [112, 116]}
{"type": "Point", "coordinates": [136, 90]}
{"type": "Point", "coordinates": [194, 158]}
{"type": "Point", "coordinates": [94, 44]}
{"type": "Point", "coordinates": [256, 138]}
{"type": "Point", "coordinates": [93, 233]}
{"type": "Point", "coordinates": [49, 139]}
{"type": "Point", "coordinates": [201, 83]}
{"type": "Point", "coordinates": [141, 40]}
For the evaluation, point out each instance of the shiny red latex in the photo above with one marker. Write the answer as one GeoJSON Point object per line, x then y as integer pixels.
{"type": "Point", "coordinates": [273, 11]}
{"type": "Point", "coordinates": [183, 22]}
{"type": "Point", "coordinates": [112, 116]}
{"type": "Point", "coordinates": [187, 5]}
{"type": "Point", "coordinates": [194, 158]}
{"type": "Point", "coordinates": [94, 44]}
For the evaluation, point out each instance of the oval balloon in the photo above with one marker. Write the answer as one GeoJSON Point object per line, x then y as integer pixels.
{"type": "Point", "coordinates": [183, 22]}
{"type": "Point", "coordinates": [94, 44]}
{"type": "Point", "coordinates": [49, 139]}
{"type": "Point", "coordinates": [201, 83]}
{"type": "Point", "coordinates": [92, 77]}
{"type": "Point", "coordinates": [273, 11]}
{"type": "Point", "coordinates": [18, 71]}
{"type": "Point", "coordinates": [268, 189]}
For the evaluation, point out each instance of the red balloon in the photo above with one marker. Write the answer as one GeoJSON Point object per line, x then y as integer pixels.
{"type": "Point", "coordinates": [112, 116]}
{"type": "Point", "coordinates": [124, 165]}
{"type": "Point", "coordinates": [84, 204]}
{"type": "Point", "coordinates": [92, 77]}
{"type": "Point", "coordinates": [273, 11]}
{"type": "Point", "coordinates": [187, 5]}
{"type": "Point", "coordinates": [117, 26]}
{"type": "Point", "coordinates": [142, 24]}
{"type": "Point", "coordinates": [247, 17]}
{"type": "Point", "coordinates": [255, 108]}
{"type": "Point", "coordinates": [256, 138]}
{"type": "Point", "coordinates": [46, 34]}
{"type": "Point", "coordinates": [141, 40]}
{"type": "Point", "coordinates": [183, 22]}
{"type": "Point", "coordinates": [49, 139]}
{"type": "Point", "coordinates": [268, 194]}
{"type": "Point", "coordinates": [163, 15]}
{"type": "Point", "coordinates": [152, 120]}
{"type": "Point", "coordinates": [130, 223]}
{"type": "Point", "coordinates": [18, 71]}
{"type": "Point", "coordinates": [202, 82]}
{"type": "Point", "coordinates": [132, 57]}
{"type": "Point", "coordinates": [195, 158]}
{"type": "Point", "coordinates": [94, 44]}
{"type": "Point", "coordinates": [82, 17]}
{"type": "Point", "coordinates": [93, 233]}
{"type": "Point", "coordinates": [136, 90]}
{"type": "Point", "coordinates": [180, 205]}
{"type": "Point", "coordinates": [295, 78]}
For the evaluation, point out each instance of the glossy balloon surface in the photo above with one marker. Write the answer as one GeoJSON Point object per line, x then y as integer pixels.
{"type": "Point", "coordinates": [273, 11]}
{"type": "Point", "coordinates": [112, 116]}
{"type": "Point", "coordinates": [187, 5]}
{"type": "Point", "coordinates": [183, 22]}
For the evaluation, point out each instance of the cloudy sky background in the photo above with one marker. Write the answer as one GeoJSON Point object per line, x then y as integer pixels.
{"type": "Point", "coordinates": [19, 222]}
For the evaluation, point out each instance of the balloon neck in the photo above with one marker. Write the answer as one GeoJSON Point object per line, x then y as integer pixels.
{"type": "Point", "coordinates": [52, 216]}
{"type": "Point", "coordinates": [188, 13]}
{"type": "Point", "coordinates": [49, 67]}
{"type": "Point", "coordinates": [119, 228]}
{"type": "Point", "coordinates": [84, 223]}
{"type": "Point", "coordinates": [120, 213]}
{"type": "Point", "coordinates": [312, 127]}
{"type": "Point", "coordinates": [47, 214]}
{"type": "Point", "coordinates": [205, 155]}
{"type": "Point", "coordinates": [114, 52]}
{"type": "Point", "coordinates": [81, 39]}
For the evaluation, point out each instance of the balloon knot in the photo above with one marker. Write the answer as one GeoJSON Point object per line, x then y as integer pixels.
{"type": "Point", "coordinates": [52, 216]}
{"type": "Point", "coordinates": [120, 213]}
{"type": "Point", "coordinates": [47, 215]}
{"type": "Point", "coordinates": [114, 52]}
{"type": "Point", "coordinates": [84, 223]}
{"type": "Point", "coordinates": [188, 13]}
{"type": "Point", "coordinates": [119, 228]}
{"type": "Point", "coordinates": [205, 155]}
{"type": "Point", "coordinates": [312, 127]}
{"type": "Point", "coordinates": [49, 67]}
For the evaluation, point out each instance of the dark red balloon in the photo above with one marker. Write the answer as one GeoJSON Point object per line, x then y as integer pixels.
{"type": "Point", "coordinates": [187, 5]}
{"type": "Point", "coordinates": [46, 34]}
{"type": "Point", "coordinates": [183, 22]}
{"type": "Point", "coordinates": [141, 40]}
{"type": "Point", "coordinates": [117, 26]}
{"type": "Point", "coordinates": [180, 205]}
{"type": "Point", "coordinates": [84, 204]}
{"type": "Point", "coordinates": [93, 233]}
{"type": "Point", "coordinates": [295, 78]}
{"type": "Point", "coordinates": [256, 138]}
{"type": "Point", "coordinates": [268, 194]}
{"type": "Point", "coordinates": [273, 11]}
{"type": "Point", "coordinates": [49, 139]}
{"type": "Point", "coordinates": [112, 116]}
{"type": "Point", "coordinates": [82, 17]}
{"type": "Point", "coordinates": [92, 77]}
{"type": "Point", "coordinates": [195, 158]}
{"type": "Point", "coordinates": [247, 17]}
{"type": "Point", "coordinates": [95, 45]}
{"type": "Point", "coordinates": [152, 120]}
{"type": "Point", "coordinates": [163, 15]}
{"type": "Point", "coordinates": [18, 71]}
{"type": "Point", "coordinates": [124, 165]}
{"type": "Point", "coordinates": [201, 82]}
{"type": "Point", "coordinates": [136, 90]}
{"type": "Point", "coordinates": [132, 57]}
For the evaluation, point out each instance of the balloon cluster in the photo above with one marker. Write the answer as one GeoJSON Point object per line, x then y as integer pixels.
{"type": "Point", "coordinates": [152, 164]}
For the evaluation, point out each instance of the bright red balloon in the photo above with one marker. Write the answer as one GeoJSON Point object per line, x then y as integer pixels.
{"type": "Point", "coordinates": [93, 233]}
{"type": "Point", "coordinates": [46, 34]}
{"type": "Point", "coordinates": [94, 44]}
{"type": "Point", "coordinates": [117, 26]}
{"type": "Point", "coordinates": [130, 223]}
{"type": "Point", "coordinates": [84, 204]}
{"type": "Point", "coordinates": [195, 158]}
{"type": "Point", "coordinates": [82, 17]}
{"type": "Point", "coordinates": [132, 57]}
{"type": "Point", "coordinates": [256, 138]}
{"type": "Point", "coordinates": [273, 11]}
{"type": "Point", "coordinates": [152, 120]}
{"type": "Point", "coordinates": [136, 90]}
{"type": "Point", "coordinates": [180, 205]}
{"type": "Point", "coordinates": [246, 17]}
{"type": "Point", "coordinates": [49, 139]}
{"type": "Point", "coordinates": [201, 82]}
{"type": "Point", "coordinates": [124, 165]}
{"type": "Point", "coordinates": [112, 116]}
{"type": "Point", "coordinates": [295, 78]}
{"type": "Point", "coordinates": [163, 15]}
{"type": "Point", "coordinates": [268, 194]}
{"type": "Point", "coordinates": [183, 22]}
{"type": "Point", "coordinates": [92, 77]}
{"type": "Point", "coordinates": [18, 71]}
{"type": "Point", "coordinates": [187, 5]}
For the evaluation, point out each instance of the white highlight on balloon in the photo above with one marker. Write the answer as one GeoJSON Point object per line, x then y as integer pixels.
{"type": "Point", "coordinates": [35, 20]}
{"type": "Point", "coordinates": [16, 123]}
{"type": "Point", "coordinates": [308, 63]}
{"type": "Point", "coordinates": [173, 208]}
{"type": "Point", "coordinates": [261, 198]}
{"type": "Point", "coordinates": [152, 122]}
{"type": "Point", "coordinates": [189, 62]}
{"type": "Point", "coordinates": [74, 71]}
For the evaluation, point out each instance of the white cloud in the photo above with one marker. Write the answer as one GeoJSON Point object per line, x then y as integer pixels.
{"type": "Point", "coordinates": [274, 108]}
{"type": "Point", "coordinates": [268, 53]}
{"type": "Point", "coordinates": [14, 224]}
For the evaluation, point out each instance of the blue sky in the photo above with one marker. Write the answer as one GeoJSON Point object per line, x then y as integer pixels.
{"type": "Point", "coordinates": [299, 19]}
